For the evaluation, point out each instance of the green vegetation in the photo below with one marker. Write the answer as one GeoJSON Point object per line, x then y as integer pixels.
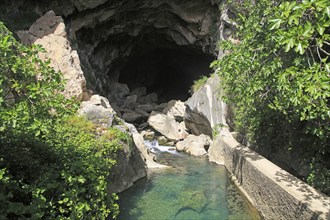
{"type": "Point", "coordinates": [198, 84]}
{"type": "Point", "coordinates": [53, 165]}
{"type": "Point", "coordinates": [277, 79]}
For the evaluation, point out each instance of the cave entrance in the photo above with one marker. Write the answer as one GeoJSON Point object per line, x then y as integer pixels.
{"type": "Point", "coordinates": [164, 68]}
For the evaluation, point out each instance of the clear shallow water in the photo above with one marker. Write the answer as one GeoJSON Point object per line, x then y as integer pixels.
{"type": "Point", "coordinates": [193, 189]}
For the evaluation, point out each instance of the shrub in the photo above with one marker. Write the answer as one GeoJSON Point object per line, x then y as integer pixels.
{"type": "Point", "coordinates": [276, 78]}
{"type": "Point", "coordinates": [53, 165]}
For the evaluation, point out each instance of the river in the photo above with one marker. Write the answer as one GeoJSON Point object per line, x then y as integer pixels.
{"type": "Point", "coordinates": [193, 188]}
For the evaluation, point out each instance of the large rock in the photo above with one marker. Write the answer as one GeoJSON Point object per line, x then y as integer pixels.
{"type": "Point", "coordinates": [166, 125]}
{"type": "Point", "coordinates": [195, 145]}
{"type": "Point", "coordinates": [131, 162]}
{"type": "Point", "coordinates": [150, 98]}
{"type": "Point", "coordinates": [175, 108]}
{"type": "Point", "coordinates": [130, 167]}
{"type": "Point", "coordinates": [118, 93]}
{"type": "Point", "coordinates": [49, 32]}
{"type": "Point", "coordinates": [205, 110]}
{"type": "Point", "coordinates": [98, 110]}
{"type": "Point", "coordinates": [134, 117]}
{"type": "Point", "coordinates": [139, 143]}
{"type": "Point", "coordinates": [140, 91]}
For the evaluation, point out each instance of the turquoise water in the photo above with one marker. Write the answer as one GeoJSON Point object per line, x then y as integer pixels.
{"type": "Point", "coordinates": [192, 189]}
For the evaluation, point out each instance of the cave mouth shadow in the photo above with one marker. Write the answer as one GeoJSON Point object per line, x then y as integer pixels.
{"type": "Point", "coordinates": [168, 71]}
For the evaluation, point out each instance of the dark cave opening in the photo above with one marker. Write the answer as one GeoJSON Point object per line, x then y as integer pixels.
{"type": "Point", "coordinates": [169, 71]}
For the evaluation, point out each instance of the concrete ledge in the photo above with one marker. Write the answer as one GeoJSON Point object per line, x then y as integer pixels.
{"type": "Point", "coordinates": [275, 193]}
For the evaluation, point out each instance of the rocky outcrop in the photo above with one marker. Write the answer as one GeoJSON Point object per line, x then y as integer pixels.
{"type": "Point", "coordinates": [49, 32]}
{"type": "Point", "coordinates": [131, 159]}
{"type": "Point", "coordinates": [195, 145]}
{"type": "Point", "coordinates": [205, 110]}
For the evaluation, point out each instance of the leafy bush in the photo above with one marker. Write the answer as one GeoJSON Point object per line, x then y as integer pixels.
{"type": "Point", "coordinates": [276, 78]}
{"type": "Point", "coordinates": [53, 165]}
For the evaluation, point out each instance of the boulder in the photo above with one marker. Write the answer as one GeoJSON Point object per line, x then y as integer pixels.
{"type": "Point", "coordinates": [195, 145]}
{"type": "Point", "coordinates": [131, 102]}
{"type": "Point", "coordinates": [133, 117]}
{"type": "Point", "coordinates": [205, 110]}
{"type": "Point", "coordinates": [98, 110]}
{"type": "Point", "coordinates": [147, 107]}
{"type": "Point", "coordinates": [139, 143]}
{"type": "Point", "coordinates": [166, 125]}
{"type": "Point", "coordinates": [49, 32]}
{"type": "Point", "coordinates": [131, 165]}
{"type": "Point", "coordinates": [118, 93]}
{"type": "Point", "coordinates": [175, 108]}
{"type": "Point", "coordinates": [139, 92]}
{"type": "Point", "coordinates": [97, 100]}
{"type": "Point", "coordinates": [150, 98]}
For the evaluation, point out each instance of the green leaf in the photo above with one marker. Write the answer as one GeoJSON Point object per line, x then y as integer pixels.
{"type": "Point", "coordinates": [320, 29]}
{"type": "Point", "coordinates": [289, 45]}
{"type": "Point", "coordinates": [327, 67]}
{"type": "Point", "coordinates": [276, 23]}
{"type": "Point", "coordinates": [308, 29]}
{"type": "Point", "coordinates": [300, 49]}
{"type": "Point", "coordinates": [327, 9]}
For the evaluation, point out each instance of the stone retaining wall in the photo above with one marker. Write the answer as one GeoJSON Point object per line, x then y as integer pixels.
{"type": "Point", "coordinates": [275, 193]}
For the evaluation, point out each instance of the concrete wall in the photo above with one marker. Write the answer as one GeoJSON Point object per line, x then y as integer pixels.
{"type": "Point", "coordinates": [275, 193]}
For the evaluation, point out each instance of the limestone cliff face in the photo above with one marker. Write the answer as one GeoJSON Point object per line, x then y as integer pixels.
{"type": "Point", "coordinates": [49, 32]}
{"type": "Point", "coordinates": [205, 110]}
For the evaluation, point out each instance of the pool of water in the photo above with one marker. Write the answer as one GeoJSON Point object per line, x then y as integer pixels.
{"type": "Point", "coordinates": [193, 188]}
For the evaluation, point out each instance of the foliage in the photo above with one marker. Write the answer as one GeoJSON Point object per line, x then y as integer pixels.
{"type": "Point", "coordinates": [276, 77]}
{"type": "Point", "coordinates": [53, 165]}
{"type": "Point", "coordinates": [198, 84]}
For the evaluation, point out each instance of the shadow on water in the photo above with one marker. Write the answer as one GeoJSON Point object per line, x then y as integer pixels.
{"type": "Point", "coordinates": [192, 189]}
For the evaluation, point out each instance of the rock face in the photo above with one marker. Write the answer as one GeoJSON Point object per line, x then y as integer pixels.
{"type": "Point", "coordinates": [112, 35]}
{"type": "Point", "coordinates": [195, 145]}
{"type": "Point", "coordinates": [205, 110]}
{"type": "Point", "coordinates": [49, 32]}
